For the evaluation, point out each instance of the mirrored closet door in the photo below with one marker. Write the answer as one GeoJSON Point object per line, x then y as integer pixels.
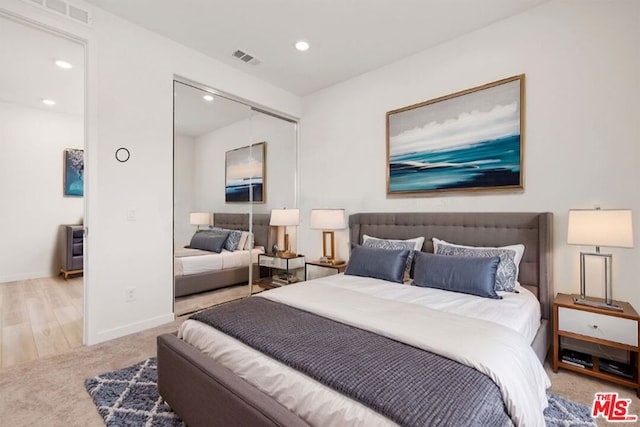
{"type": "Point", "coordinates": [233, 163]}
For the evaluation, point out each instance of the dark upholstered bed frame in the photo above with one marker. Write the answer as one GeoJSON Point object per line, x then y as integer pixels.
{"type": "Point", "coordinates": [211, 280]}
{"type": "Point", "coordinates": [204, 393]}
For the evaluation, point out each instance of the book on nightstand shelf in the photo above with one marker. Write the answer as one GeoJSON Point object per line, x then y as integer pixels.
{"type": "Point", "coordinates": [577, 358]}
{"type": "Point", "coordinates": [616, 368]}
{"type": "Point", "coordinates": [284, 279]}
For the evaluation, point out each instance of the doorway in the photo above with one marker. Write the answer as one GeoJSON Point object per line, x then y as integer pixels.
{"type": "Point", "coordinates": [42, 134]}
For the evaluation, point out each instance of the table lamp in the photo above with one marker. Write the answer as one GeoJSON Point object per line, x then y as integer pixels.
{"type": "Point", "coordinates": [283, 218]}
{"type": "Point", "coordinates": [200, 218]}
{"type": "Point", "coordinates": [328, 220]}
{"type": "Point", "coordinates": [599, 227]}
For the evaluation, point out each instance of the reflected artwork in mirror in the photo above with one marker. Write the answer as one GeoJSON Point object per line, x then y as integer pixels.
{"type": "Point", "coordinates": [245, 174]}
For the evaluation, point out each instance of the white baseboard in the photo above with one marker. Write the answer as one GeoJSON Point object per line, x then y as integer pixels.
{"type": "Point", "coordinates": [25, 276]}
{"type": "Point", "coordinates": [129, 329]}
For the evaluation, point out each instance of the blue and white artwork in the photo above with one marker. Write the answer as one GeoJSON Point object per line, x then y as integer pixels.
{"type": "Point", "coordinates": [471, 140]}
{"type": "Point", "coordinates": [245, 174]}
{"type": "Point", "coordinates": [73, 172]}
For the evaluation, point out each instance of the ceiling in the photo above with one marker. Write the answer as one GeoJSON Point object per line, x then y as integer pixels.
{"type": "Point", "coordinates": [194, 116]}
{"type": "Point", "coordinates": [29, 73]}
{"type": "Point", "coordinates": [347, 37]}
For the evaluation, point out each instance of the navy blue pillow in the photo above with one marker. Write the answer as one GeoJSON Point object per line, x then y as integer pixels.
{"type": "Point", "coordinates": [208, 241]}
{"type": "Point", "coordinates": [469, 275]}
{"type": "Point", "coordinates": [385, 264]}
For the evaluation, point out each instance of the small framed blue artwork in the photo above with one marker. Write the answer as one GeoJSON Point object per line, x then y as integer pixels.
{"type": "Point", "coordinates": [73, 172]}
{"type": "Point", "coordinates": [245, 180]}
{"type": "Point", "coordinates": [471, 140]}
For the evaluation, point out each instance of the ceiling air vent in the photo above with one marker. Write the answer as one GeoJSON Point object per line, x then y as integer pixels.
{"type": "Point", "coordinates": [246, 57]}
{"type": "Point", "coordinates": [63, 7]}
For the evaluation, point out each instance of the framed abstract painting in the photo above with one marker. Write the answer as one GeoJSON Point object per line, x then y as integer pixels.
{"type": "Point", "coordinates": [471, 140]}
{"type": "Point", "coordinates": [73, 172]}
{"type": "Point", "coordinates": [245, 174]}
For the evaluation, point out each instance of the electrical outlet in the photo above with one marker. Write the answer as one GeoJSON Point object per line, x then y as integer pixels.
{"type": "Point", "coordinates": [130, 294]}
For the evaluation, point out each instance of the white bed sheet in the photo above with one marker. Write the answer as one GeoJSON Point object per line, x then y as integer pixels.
{"type": "Point", "coordinates": [198, 263]}
{"type": "Point", "coordinates": [312, 401]}
{"type": "Point", "coordinates": [518, 311]}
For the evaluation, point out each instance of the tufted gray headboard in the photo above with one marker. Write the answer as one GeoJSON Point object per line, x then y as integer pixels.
{"type": "Point", "coordinates": [240, 221]}
{"type": "Point", "coordinates": [533, 229]}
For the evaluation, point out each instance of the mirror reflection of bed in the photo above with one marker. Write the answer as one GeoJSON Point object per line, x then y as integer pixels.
{"type": "Point", "coordinates": [208, 125]}
{"type": "Point", "coordinates": [206, 277]}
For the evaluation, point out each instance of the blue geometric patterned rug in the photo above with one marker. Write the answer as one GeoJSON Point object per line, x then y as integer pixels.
{"type": "Point", "coordinates": [129, 397]}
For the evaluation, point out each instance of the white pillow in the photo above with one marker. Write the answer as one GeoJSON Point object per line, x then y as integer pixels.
{"type": "Point", "coordinates": [248, 241]}
{"type": "Point", "coordinates": [243, 241]}
{"type": "Point", "coordinates": [506, 277]}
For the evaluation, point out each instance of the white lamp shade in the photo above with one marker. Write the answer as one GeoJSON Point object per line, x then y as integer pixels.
{"type": "Point", "coordinates": [600, 227]}
{"type": "Point", "coordinates": [328, 219]}
{"type": "Point", "coordinates": [200, 218]}
{"type": "Point", "coordinates": [284, 217]}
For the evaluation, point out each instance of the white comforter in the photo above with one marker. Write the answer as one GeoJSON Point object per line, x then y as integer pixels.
{"type": "Point", "coordinates": [193, 261]}
{"type": "Point", "coordinates": [501, 353]}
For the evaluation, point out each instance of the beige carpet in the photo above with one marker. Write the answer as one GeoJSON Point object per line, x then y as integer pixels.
{"type": "Point", "coordinates": [51, 391]}
{"type": "Point", "coordinates": [582, 389]}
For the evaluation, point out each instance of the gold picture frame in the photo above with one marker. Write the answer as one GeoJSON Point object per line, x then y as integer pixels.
{"type": "Point", "coordinates": [472, 140]}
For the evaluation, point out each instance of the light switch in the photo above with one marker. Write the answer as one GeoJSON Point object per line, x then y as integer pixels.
{"type": "Point", "coordinates": [131, 215]}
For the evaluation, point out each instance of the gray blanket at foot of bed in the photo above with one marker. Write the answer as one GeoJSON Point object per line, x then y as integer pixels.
{"type": "Point", "coordinates": [410, 386]}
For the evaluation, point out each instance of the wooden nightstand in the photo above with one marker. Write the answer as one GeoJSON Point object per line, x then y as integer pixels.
{"type": "Point", "coordinates": [611, 331]}
{"type": "Point", "coordinates": [337, 268]}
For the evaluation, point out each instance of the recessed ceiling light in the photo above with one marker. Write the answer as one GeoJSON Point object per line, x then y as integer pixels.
{"type": "Point", "coordinates": [63, 64]}
{"type": "Point", "coordinates": [49, 102]}
{"type": "Point", "coordinates": [208, 98]}
{"type": "Point", "coordinates": [302, 45]}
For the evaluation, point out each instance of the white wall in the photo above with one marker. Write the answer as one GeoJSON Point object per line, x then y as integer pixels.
{"type": "Point", "coordinates": [280, 157]}
{"type": "Point", "coordinates": [32, 143]}
{"type": "Point", "coordinates": [130, 102]}
{"type": "Point", "coordinates": [582, 63]}
{"type": "Point", "coordinates": [184, 185]}
{"type": "Point", "coordinates": [140, 117]}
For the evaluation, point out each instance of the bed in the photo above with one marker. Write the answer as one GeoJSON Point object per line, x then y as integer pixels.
{"type": "Point", "coordinates": [193, 273]}
{"type": "Point", "coordinates": [200, 389]}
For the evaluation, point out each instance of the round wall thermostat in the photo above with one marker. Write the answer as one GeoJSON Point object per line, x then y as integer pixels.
{"type": "Point", "coordinates": [122, 154]}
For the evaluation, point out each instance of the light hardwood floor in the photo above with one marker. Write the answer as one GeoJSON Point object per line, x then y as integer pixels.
{"type": "Point", "coordinates": [42, 317]}
{"type": "Point", "coordinates": [39, 318]}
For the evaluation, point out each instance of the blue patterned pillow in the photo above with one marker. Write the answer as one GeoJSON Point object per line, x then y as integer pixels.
{"type": "Point", "coordinates": [233, 240]}
{"type": "Point", "coordinates": [469, 275]}
{"type": "Point", "coordinates": [510, 256]}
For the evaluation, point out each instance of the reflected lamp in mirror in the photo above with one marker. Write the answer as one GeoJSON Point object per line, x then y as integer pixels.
{"type": "Point", "coordinates": [328, 220]}
{"type": "Point", "coordinates": [283, 218]}
{"type": "Point", "coordinates": [599, 227]}
{"type": "Point", "coordinates": [200, 218]}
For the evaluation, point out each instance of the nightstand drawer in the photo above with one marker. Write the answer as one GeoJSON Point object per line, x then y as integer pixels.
{"type": "Point", "coordinates": [611, 328]}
